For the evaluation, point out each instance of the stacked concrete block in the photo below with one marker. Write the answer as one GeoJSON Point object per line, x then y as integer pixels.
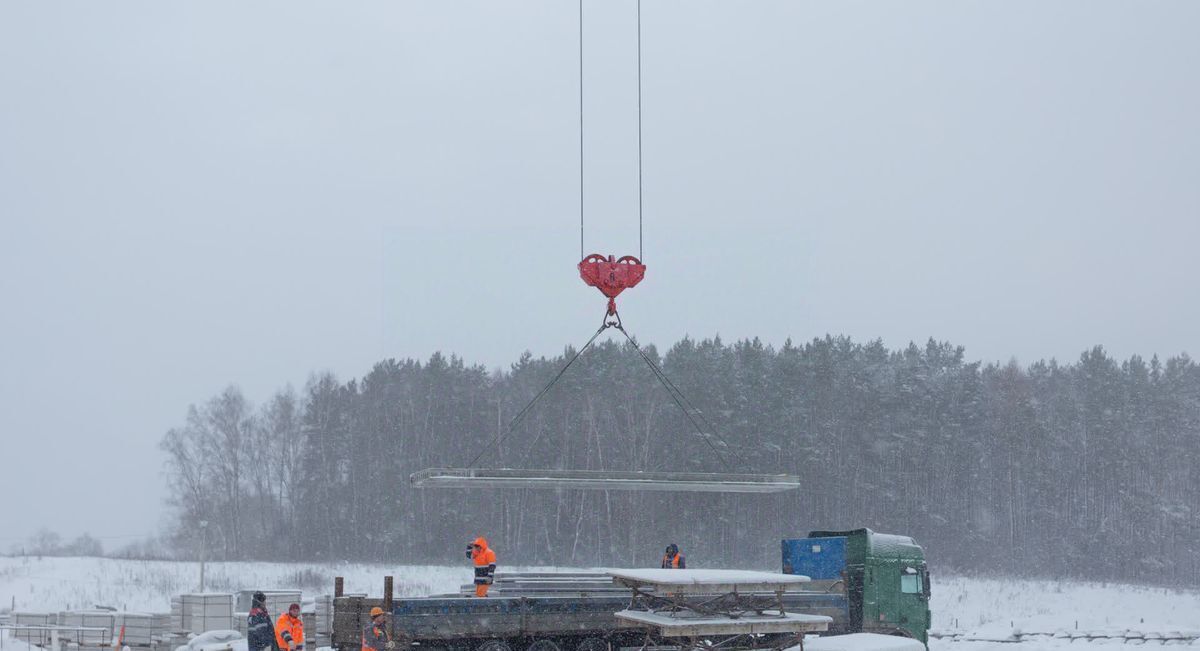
{"type": "Point", "coordinates": [140, 628]}
{"type": "Point", "coordinates": [197, 613]}
{"type": "Point", "coordinates": [87, 628]}
{"type": "Point", "coordinates": [99, 628]}
{"type": "Point", "coordinates": [277, 600]}
{"type": "Point", "coordinates": [30, 626]}
{"type": "Point", "coordinates": [322, 619]}
{"type": "Point", "coordinates": [32, 618]}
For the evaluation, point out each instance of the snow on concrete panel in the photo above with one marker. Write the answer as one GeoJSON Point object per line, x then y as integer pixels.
{"type": "Point", "coordinates": [712, 580]}
{"type": "Point", "coordinates": [861, 642]}
{"type": "Point", "coordinates": [676, 625]}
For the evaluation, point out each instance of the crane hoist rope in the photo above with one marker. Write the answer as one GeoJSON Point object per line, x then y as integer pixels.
{"type": "Point", "coordinates": [611, 276]}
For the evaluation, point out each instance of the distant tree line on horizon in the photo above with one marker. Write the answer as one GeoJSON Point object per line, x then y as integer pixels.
{"type": "Point", "coordinates": [1084, 470]}
{"type": "Point", "coordinates": [47, 542]}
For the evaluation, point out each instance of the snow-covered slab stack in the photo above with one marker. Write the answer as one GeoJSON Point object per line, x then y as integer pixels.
{"type": "Point", "coordinates": [277, 600]}
{"type": "Point", "coordinates": [708, 581]}
{"type": "Point", "coordinates": [34, 618]}
{"type": "Point", "coordinates": [686, 624]}
{"type": "Point", "coordinates": [30, 625]}
{"type": "Point", "coordinates": [140, 628]}
{"type": "Point", "coordinates": [742, 614]}
{"type": "Point", "coordinates": [210, 611]}
{"type": "Point", "coordinates": [87, 627]}
{"type": "Point", "coordinates": [323, 613]}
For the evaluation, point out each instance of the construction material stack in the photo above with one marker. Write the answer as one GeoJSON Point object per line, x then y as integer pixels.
{"type": "Point", "coordinates": [322, 621]}
{"type": "Point", "coordinates": [90, 629]}
{"type": "Point", "coordinates": [33, 627]}
{"type": "Point", "coordinates": [200, 612]}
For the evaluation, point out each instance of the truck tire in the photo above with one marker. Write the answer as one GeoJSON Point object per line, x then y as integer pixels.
{"type": "Point", "coordinates": [592, 644]}
{"type": "Point", "coordinates": [494, 645]}
{"type": "Point", "coordinates": [543, 644]}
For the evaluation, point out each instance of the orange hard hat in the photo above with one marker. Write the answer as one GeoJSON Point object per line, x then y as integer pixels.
{"type": "Point", "coordinates": [376, 611]}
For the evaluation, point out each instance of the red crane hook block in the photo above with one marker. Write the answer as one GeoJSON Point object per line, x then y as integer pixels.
{"type": "Point", "coordinates": [611, 275]}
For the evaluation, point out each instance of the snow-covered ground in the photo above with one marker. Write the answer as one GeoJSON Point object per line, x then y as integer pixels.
{"type": "Point", "coordinates": [973, 613]}
{"type": "Point", "coordinates": [53, 584]}
{"type": "Point", "coordinates": [977, 614]}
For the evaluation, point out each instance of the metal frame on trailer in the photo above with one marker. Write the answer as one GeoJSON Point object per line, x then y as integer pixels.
{"type": "Point", "coordinates": [689, 606]}
{"type": "Point", "coordinates": [602, 480]}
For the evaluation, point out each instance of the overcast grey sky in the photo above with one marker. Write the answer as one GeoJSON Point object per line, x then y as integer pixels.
{"type": "Point", "coordinates": [194, 194]}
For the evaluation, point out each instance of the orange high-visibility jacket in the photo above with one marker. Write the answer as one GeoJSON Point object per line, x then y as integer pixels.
{"type": "Point", "coordinates": [375, 638]}
{"type": "Point", "coordinates": [675, 562]}
{"type": "Point", "coordinates": [485, 562]}
{"type": "Point", "coordinates": [289, 629]}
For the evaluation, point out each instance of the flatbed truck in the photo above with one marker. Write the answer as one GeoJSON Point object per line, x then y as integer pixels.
{"type": "Point", "coordinates": [862, 580]}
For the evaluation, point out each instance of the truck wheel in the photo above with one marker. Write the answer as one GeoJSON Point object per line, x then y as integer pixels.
{"type": "Point", "coordinates": [543, 644]}
{"type": "Point", "coordinates": [592, 644]}
{"type": "Point", "coordinates": [494, 645]}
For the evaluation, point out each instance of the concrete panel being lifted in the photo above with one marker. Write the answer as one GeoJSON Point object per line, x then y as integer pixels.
{"type": "Point", "coordinates": [602, 480]}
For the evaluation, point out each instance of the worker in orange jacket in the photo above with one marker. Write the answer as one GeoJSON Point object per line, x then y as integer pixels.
{"type": "Point", "coordinates": [289, 630]}
{"type": "Point", "coordinates": [672, 559]}
{"type": "Point", "coordinates": [485, 565]}
{"type": "Point", "coordinates": [375, 636]}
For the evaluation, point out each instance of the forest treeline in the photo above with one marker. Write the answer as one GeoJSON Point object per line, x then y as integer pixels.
{"type": "Point", "coordinates": [1087, 469]}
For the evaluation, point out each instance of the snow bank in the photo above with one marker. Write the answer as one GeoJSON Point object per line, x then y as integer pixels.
{"type": "Point", "coordinates": [861, 642]}
{"type": "Point", "coordinates": [13, 644]}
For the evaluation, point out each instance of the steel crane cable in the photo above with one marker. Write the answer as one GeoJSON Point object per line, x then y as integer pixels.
{"type": "Point", "coordinates": [641, 256]}
{"type": "Point", "coordinates": [677, 395]}
{"type": "Point", "coordinates": [641, 249]}
{"type": "Point", "coordinates": [581, 253]}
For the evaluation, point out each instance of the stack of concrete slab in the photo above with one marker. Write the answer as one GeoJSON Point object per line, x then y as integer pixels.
{"type": "Point", "coordinates": [33, 618]}
{"type": "Point", "coordinates": [140, 628]}
{"type": "Point", "coordinates": [277, 600]}
{"type": "Point", "coordinates": [200, 612]}
{"type": "Point", "coordinates": [323, 619]}
{"type": "Point", "coordinates": [30, 626]}
{"type": "Point", "coordinates": [87, 628]}
{"type": "Point", "coordinates": [241, 623]}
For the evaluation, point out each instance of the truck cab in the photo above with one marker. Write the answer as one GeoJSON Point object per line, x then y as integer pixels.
{"type": "Point", "coordinates": [884, 577]}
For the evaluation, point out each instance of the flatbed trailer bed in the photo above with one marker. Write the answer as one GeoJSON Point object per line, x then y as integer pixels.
{"type": "Point", "coordinates": [580, 620]}
{"type": "Point", "coordinates": [862, 581]}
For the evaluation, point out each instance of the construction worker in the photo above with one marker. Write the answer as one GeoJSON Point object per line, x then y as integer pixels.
{"type": "Point", "coordinates": [260, 633]}
{"type": "Point", "coordinates": [485, 565]}
{"type": "Point", "coordinates": [672, 559]}
{"type": "Point", "coordinates": [289, 630]}
{"type": "Point", "coordinates": [375, 635]}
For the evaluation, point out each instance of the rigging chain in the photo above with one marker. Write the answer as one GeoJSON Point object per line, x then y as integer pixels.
{"type": "Point", "coordinates": [681, 401]}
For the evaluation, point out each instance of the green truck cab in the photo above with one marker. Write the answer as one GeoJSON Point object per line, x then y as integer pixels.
{"type": "Point", "coordinates": [883, 576]}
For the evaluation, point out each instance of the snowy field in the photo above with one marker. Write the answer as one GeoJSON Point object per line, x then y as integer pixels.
{"type": "Point", "coordinates": [971, 614]}
{"type": "Point", "coordinates": [975, 614]}
{"type": "Point", "coordinates": [53, 584]}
